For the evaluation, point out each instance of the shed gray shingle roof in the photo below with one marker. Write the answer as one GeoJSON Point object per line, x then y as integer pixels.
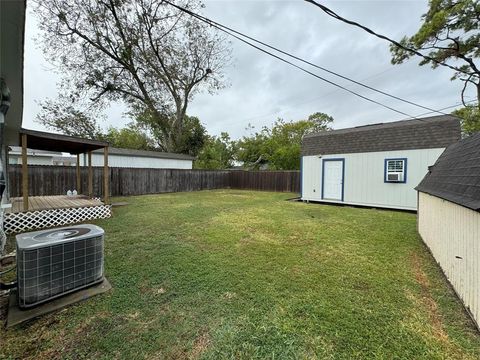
{"type": "Point", "coordinates": [426, 133]}
{"type": "Point", "coordinates": [456, 174]}
{"type": "Point", "coordinates": [146, 153]}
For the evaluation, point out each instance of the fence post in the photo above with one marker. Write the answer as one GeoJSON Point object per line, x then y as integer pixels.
{"type": "Point", "coordinates": [24, 172]}
{"type": "Point", "coordinates": [90, 175]}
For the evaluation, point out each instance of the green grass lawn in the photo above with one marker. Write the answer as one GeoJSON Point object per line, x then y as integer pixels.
{"type": "Point", "coordinates": [242, 275]}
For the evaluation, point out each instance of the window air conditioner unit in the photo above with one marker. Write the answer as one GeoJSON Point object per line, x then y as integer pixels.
{"type": "Point", "coordinates": [55, 262]}
{"type": "Point", "coordinates": [395, 177]}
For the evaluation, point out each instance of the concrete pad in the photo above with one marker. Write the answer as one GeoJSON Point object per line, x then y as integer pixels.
{"type": "Point", "coordinates": [17, 316]}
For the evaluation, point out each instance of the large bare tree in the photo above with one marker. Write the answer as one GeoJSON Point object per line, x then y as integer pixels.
{"type": "Point", "coordinates": [143, 52]}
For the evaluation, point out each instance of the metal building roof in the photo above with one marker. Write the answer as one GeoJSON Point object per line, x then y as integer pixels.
{"type": "Point", "coordinates": [426, 133]}
{"type": "Point", "coordinates": [456, 174]}
{"type": "Point", "coordinates": [146, 153]}
{"type": "Point", "coordinates": [17, 150]}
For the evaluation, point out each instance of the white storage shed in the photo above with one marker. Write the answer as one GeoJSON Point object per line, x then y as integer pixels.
{"type": "Point", "coordinates": [375, 165]}
{"type": "Point", "coordinates": [449, 218]}
{"type": "Point", "coordinates": [129, 158]}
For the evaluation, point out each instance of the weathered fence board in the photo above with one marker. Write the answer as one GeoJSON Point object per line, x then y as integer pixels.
{"type": "Point", "coordinates": [57, 180]}
{"type": "Point", "coordinates": [266, 180]}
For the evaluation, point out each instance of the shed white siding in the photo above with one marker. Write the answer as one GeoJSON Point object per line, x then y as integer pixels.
{"type": "Point", "coordinates": [452, 232]}
{"type": "Point", "coordinates": [364, 178]}
{"type": "Point", "coordinates": [124, 161]}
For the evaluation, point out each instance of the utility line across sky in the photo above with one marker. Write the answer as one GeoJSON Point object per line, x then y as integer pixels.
{"type": "Point", "coordinates": [200, 17]}
{"type": "Point", "coordinates": [242, 37]}
{"type": "Point", "coordinates": [238, 37]}
{"type": "Point", "coordinates": [333, 14]}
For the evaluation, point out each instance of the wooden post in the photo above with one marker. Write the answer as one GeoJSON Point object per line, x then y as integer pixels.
{"type": "Point", "coordinates": [24, 172]}
{"type": "Point", "coordinates": [79, 181]}
{"type": "Point", "coordinates": [90, 175]}
{"type": "Point", "coordinates": [106, 176]}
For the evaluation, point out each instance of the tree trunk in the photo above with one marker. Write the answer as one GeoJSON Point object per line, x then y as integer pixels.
{"type": "Point", "coordinates": [478, 95]}
{"type": "Point", "coordinates": [176, 131]}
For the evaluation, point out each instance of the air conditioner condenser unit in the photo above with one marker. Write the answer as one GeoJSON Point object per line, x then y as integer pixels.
{"type": "Point", "coordinates": [55, 262]}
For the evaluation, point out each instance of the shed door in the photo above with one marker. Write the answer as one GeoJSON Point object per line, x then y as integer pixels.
{"type": "Point", "coordinates": [332, 180]}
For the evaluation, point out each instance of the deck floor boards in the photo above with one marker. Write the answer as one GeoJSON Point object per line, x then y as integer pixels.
{"type": "Point", "coordinates": [52, 202]}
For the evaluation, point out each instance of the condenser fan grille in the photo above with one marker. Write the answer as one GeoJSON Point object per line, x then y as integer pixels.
{"type": "Point", "coordinates": [51, 271]}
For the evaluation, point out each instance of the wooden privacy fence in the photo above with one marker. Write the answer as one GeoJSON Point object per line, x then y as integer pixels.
{"type": "Point", "coordinates": [57, 180]}
{"type": "Point", "coordinates": [52, 180]}
{"type": "Point", "coordinates": [282, 181]}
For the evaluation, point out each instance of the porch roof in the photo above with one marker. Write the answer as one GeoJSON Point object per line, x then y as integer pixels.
{"type": "Point", "coordinates": [41, 140]}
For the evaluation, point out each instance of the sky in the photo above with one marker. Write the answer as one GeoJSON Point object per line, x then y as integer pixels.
{"type": "Point", "coordinates": [262, 89]}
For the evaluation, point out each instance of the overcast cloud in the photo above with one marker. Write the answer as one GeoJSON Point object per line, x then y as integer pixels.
{"type": "Point", "coordinates": [263, 88]}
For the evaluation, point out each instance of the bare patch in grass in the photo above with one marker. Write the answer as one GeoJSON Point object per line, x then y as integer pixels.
{"type": "Point", "coordinates": [65, 343]}
{"type": "Point", "coordinates": [231, 194]}
{"type": "Point", "coordinates": [199, 346]}
{"type": "Point", "coordinates": [159, 291]}
{"type": "Point", "coordinates": [133, 316]}
{"type": "Point", "coordinates": [427, 300]}
{"type": "Point", "coordinates": [361, 285]}
{"type": "Point", "coordinates": [229, 295]}
{"type": "Point", "coordinates": [146, 288]}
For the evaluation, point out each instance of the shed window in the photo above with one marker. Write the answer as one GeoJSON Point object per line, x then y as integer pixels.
{"type": "Point", "coordinates": [396, 170]}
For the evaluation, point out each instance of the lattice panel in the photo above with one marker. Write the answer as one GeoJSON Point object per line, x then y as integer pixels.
{"type": "Point", "coordinates": [32, 220]}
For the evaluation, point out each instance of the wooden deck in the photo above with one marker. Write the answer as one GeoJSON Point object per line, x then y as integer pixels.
{"type": "Point", "coordinates": [52, 202]}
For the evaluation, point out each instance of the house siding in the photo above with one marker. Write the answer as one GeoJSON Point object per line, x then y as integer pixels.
{"type": "Point", "coordinates": [452, 233]}
{"type": "Point", "coordinates": [364, 178]}
{"type": "Point", "coordinates": [123, 161]}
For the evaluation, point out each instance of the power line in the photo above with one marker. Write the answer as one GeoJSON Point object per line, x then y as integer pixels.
{"type": "Point", "coordinates": [232, 32]}
{"type": "Point", "coordinates": [221, 28]}
{"type": "Point", "coordinates": [212, 22]}
{"type": "Point", "coordinates": [422, 114]}
{"type": "Point", "coordinates": [449, 107]}
{"type": "Point", "coordinates": [383, 37]}
{"type": "Point", "coordinates": [313, 99]}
